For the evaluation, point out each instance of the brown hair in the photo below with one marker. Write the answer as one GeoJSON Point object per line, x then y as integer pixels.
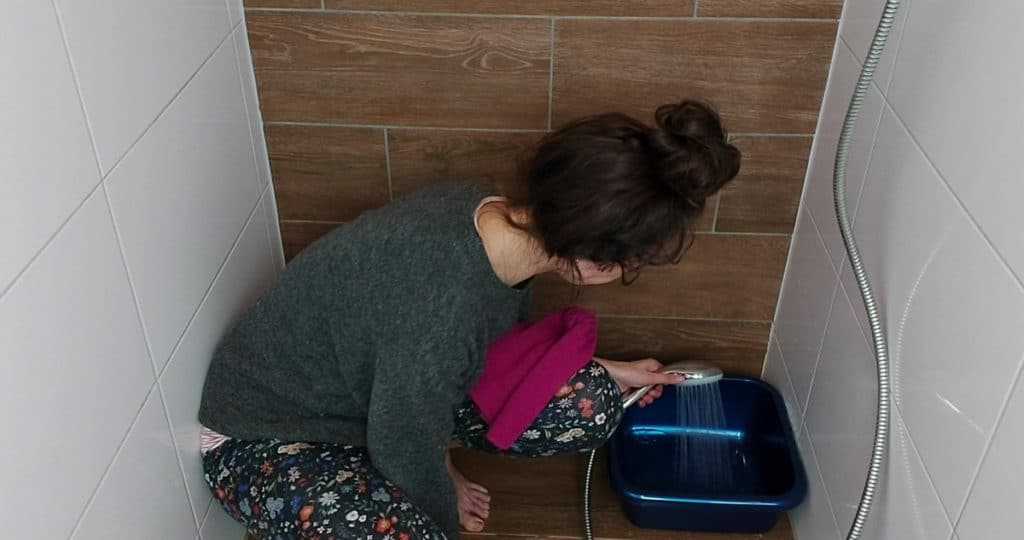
{"type": "Point", "coordinates": [615, 191]}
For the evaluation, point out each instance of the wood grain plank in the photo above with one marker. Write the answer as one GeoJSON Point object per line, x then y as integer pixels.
{"type": "Point", "coordinates": [648, 8]}
{"type": "Point", "coordinates": [811, 9]}
{"type": "Point", "coordinates": [326, 173]}
{"type": "Point", "coordinates": [735, 346]}
{"type": "Point", "coordinates": [766, 194]}
{"type": "Point", "coordinates": [420, 158]}
{"type": "Point", "coordinates": [723, 276]}
{"type": "Point", "coordinates": [292, 4]}
{"type": "Point", "coordinates": [765, 76]}
{"type": "Point", "coordinates": [543, 497]}
{"type": "Point", "coordinates": [401, 70]}
{"type": "Point", "coordinates": [296, 235]}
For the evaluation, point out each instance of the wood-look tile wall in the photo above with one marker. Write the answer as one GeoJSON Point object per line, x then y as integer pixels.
{"type": "Point", "coordinates": [367, 100]}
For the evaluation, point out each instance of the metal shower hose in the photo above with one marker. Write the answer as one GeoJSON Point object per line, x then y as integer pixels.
{"type": "Point", "coordinates": [878, 449]}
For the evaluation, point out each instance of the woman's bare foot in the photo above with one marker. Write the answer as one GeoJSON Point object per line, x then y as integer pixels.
{"type": "Point", "coordinates": [474, 501]}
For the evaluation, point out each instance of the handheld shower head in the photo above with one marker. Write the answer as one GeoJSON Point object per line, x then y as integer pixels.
{"type": "Point", "coordinates": [694, 373]}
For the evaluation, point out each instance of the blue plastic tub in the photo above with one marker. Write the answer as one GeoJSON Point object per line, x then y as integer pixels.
{"type": "Point", "coordinates": [768, 476]}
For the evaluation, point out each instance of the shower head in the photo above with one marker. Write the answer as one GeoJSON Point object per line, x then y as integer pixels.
{"type": "Point", "coordinates": [694, 374]}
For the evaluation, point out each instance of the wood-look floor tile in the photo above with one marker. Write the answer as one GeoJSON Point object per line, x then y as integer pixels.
{"type": "Point", "coordinates": [293, 4]}
{"type": "Point", "coordinates": [765, 76]}
{"type": "Point", "coordinates": [543, 497]}
{"type": "Point", "coordinates": [421, 157]}
{"type": "Point", "coordinates": [766, 194]}
{"type": "Point", "coordinates": [296, 235]}
{"type": "Point", "coordinates": [735, 346]}
{"type": "Point", "coordinates": [811, 9]}
{"type": "Point", "coordinates": [723, 276]}
{"type": "Point", "coordinates": [647, 8]}
{"type": "Point", "coordinates": [350, 68]}
{"type": "Point", "coordinates": [327, 173]}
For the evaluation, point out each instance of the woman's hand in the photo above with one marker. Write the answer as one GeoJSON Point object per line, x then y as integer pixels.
{"type": "Point", "coordinates": [638, 374]}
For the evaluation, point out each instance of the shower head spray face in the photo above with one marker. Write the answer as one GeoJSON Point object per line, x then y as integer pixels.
{"type": "Point", "coordinates": [694, 374]}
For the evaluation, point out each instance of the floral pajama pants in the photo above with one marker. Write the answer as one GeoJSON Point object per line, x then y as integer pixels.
{"type": "Point", "coordinates": [282, 490]}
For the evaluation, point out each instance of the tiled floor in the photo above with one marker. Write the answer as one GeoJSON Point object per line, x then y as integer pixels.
{"type": "Point", "coordinates": [541, 499]}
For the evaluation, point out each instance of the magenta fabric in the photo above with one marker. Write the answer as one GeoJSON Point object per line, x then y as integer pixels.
{"type": "Point", "coordinates": [526, 366]}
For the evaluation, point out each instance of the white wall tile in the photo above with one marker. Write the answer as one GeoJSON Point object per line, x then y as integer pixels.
{"type": "Point", "coordinates": [235, 11]}
{"type": "Point", "coordinates": [220, 526]}
{"type": "Point", "coordinates": [840, 417]}
{"type": "Point", "coordinates": [857, 28]}
{"type": "Point", "coordinates": [818, 196]}
{"type": "Point", "coordinates": [182, 196]}
{"type": "Point", "coordinates": [144, 492]}
{"type": "Point", "coordinates": [953, 311]}
{"type": "Point", "coordinates": [995, 509]}
{"type": "Point", "coordinates": [803, 311]}
{"type": "Point", "coordinates": [813, 520]}
{"type": "Point", "coordinates": [243, 279]}
{"type": "Point", "coordinates": [273, 227]}
{"type": "Point", "coordinates": [906, 506]}
{"type": "Point", "coordinates": [957, 87]}
{"type": "Point", "coordinates": [132, 57]}
{"type": "Point", "coordinates": [76, 373]}
{"type": "Point", "coordinates": [46, 159]}
{"type": "Point", "coordinates": [775, 373]}
{"type": "Point", "coordinates": [248, 80]}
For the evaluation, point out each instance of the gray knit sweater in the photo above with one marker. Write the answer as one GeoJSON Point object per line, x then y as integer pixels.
{"type": "Point", "coordinates": [372, 336]}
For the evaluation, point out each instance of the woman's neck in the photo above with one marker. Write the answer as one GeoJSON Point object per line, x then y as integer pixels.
{"type": "Point", "coordinates": [514, 255]}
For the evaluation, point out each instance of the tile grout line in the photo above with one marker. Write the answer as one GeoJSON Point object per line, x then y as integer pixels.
{"type": "Point", "coordinates": [149, 350]}
{"type": "Point", "coordinates": [682, 318]}
{"type": "Point", "coordinates": [817, 466]}
{"type": "Point", "coordinates": [769, 134]}
{"type": "Point", "coordinates": [988, 446]}
{"type": "Point", "coordinates": [675, 18]}
{"type": "Point", "coordinates": [714, 219]}
{"type": "Point", "coordinates": [46, 245]}
{"type": "Point", "coordinates": [1019, 279]}
{"type": "Point", "coordinates": [78, 87]}
{"type": "Point", "coordinates": [110, 466]}
{"type": "Point", "coordinates": [245, 102]}
{"type": "Point", "coordinates": [177, 453]}
{"type": "Point", "coordinates": [894, 406]}
{"type": "Point", "coordinates": [170, 102]}
{"type": "Point", "coordinates": [482, 129]}
{"type": "Point", "coordinates": [387, 165]}
{"type": "Point", "coordinates": [551, 75]}
{"type": "Point", "coordinates": [131, 281]}
{"type": "Point", "coordinates": [209, 288]}
{"type": "Point", "coordinates": [397, 127]}
{"type": "Point", "coordinates": [828, 323]}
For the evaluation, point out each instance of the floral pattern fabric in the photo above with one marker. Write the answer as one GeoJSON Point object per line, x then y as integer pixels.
{"type": "Point", "coordinates": [320, 491]}
{"type": "Point", "coordinates": [283, 490]}
{"type": "Point", "coordinates": [583, 414]}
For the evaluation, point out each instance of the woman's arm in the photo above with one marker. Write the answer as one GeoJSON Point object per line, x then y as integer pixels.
{"type": "Point", "coordinates": [409, 427]}
{"type": "Point", "coordinates": [637, 374]}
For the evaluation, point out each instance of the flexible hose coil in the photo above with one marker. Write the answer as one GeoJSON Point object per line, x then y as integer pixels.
{"type": "Point", "coordinates": [878, 450]}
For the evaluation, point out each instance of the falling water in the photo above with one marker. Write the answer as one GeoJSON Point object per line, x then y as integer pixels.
{"type": "Point", "coordinates": [704, 447]}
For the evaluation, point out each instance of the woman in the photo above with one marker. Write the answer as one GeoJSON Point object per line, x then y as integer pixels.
{"type": "Point", "coordinates": [331, 406]}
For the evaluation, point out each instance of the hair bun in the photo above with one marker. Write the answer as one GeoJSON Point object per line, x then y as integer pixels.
{"type": "Point", "coordinates": [693, 151]}
{"type": "Point", "coordinates": [690, 118]}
